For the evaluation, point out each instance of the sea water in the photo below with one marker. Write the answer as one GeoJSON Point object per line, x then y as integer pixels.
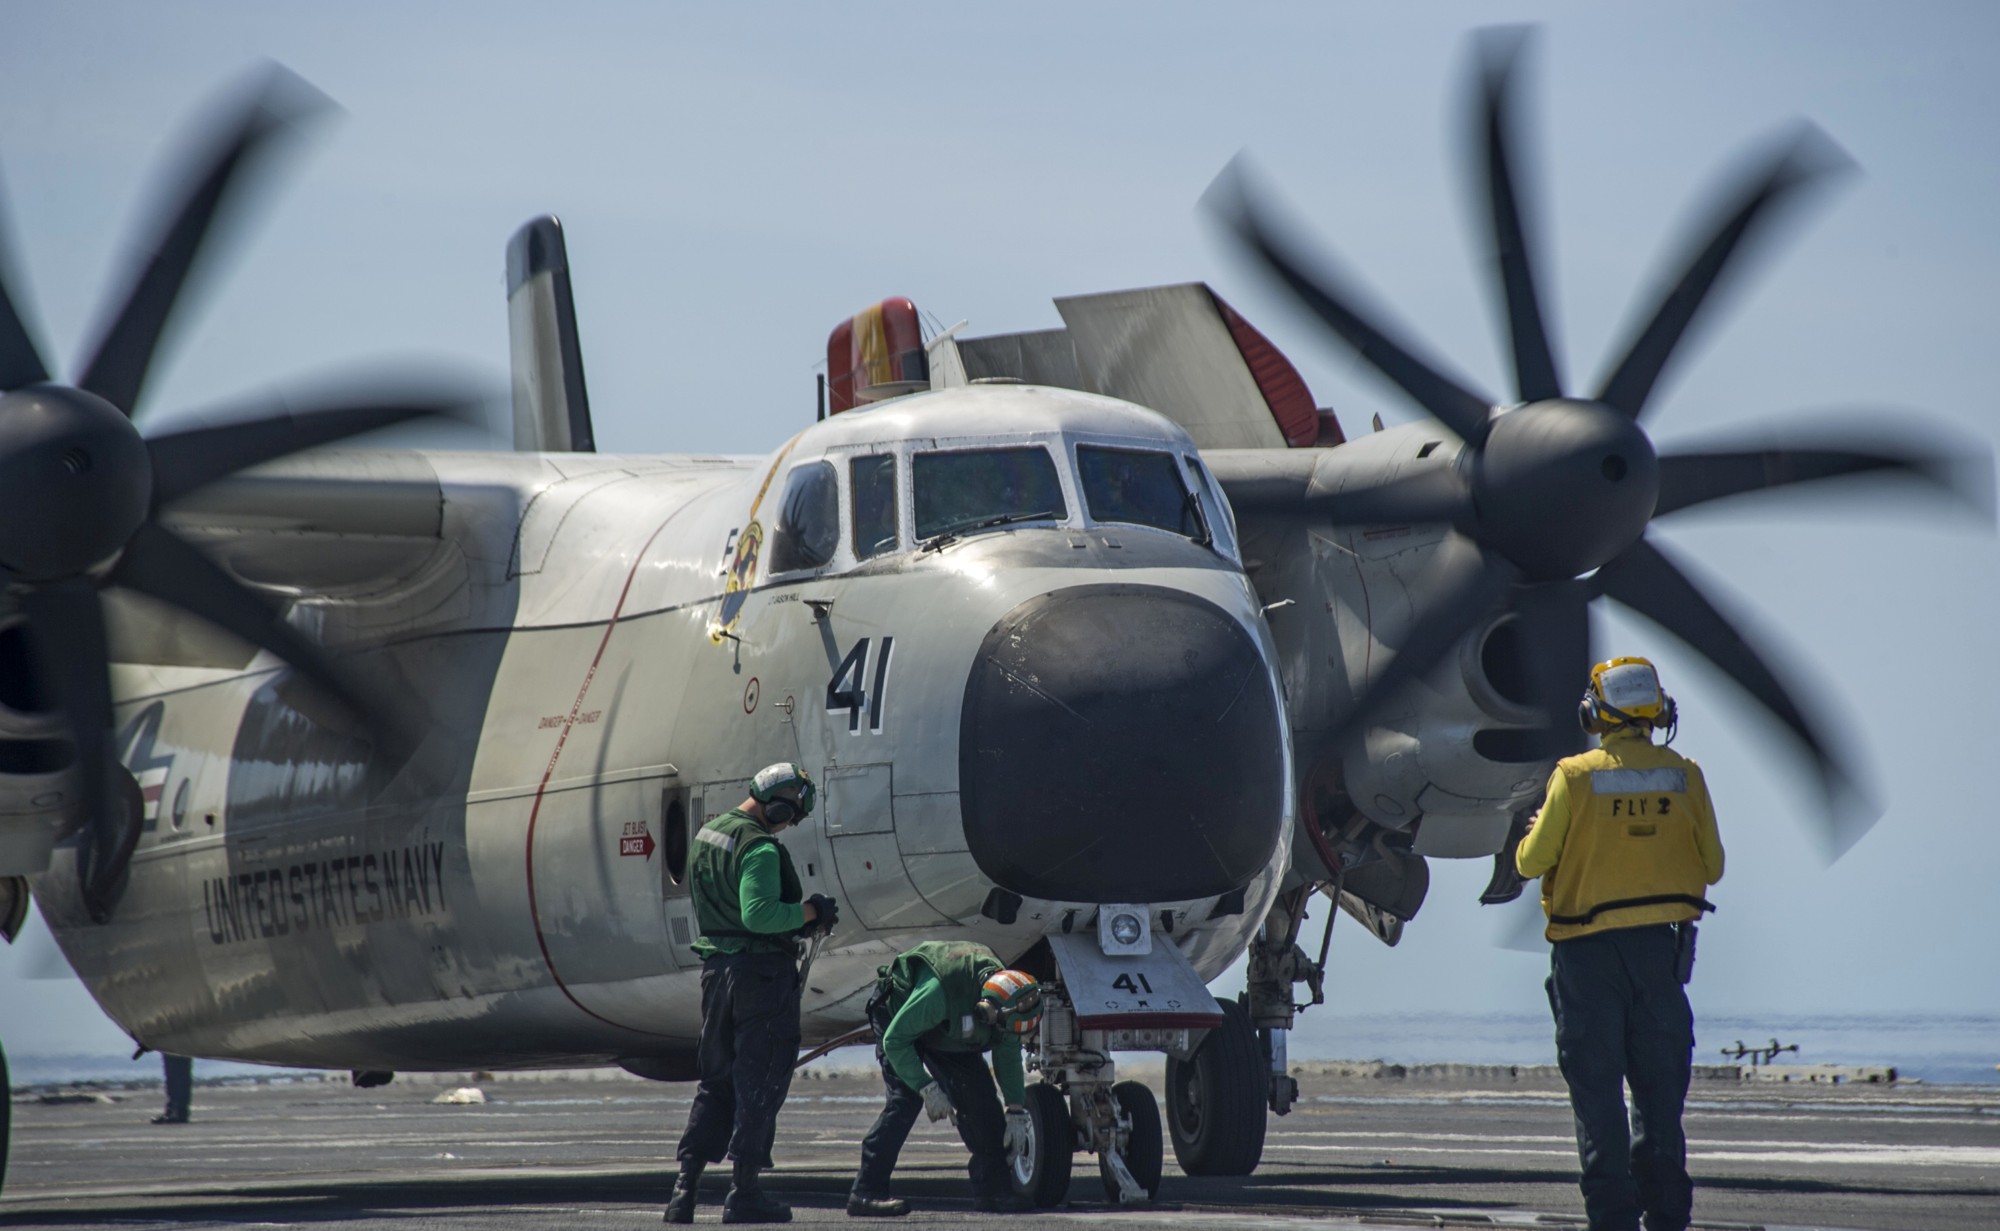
{"type": "Point", "coordinates": [1935, 1048]}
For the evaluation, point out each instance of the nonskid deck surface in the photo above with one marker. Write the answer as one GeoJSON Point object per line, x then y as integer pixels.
{"type": "Point", "coordinates": [582, 1151]}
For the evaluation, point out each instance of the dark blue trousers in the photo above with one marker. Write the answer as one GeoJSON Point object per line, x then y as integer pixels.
{"type": "Point", "coordinates": [749, 1043]}
{"type": "Point", "coordinates": [180, 1086]}
{"type": "Point", "coordinates": [1622, 1018]}
{"type": "Point", "coordinates": [982, 1126]}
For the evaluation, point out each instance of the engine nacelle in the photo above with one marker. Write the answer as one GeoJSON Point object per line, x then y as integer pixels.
{"type": "Point", "coordinates": [1449, 764]}
{"type": "Point", "coordinates": [37, 760]}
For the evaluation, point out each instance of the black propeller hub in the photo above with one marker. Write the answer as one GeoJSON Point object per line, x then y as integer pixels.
{"type": "Point", "coordinates": [1564, 485]}
{"type": "Point", "coordinates": [76, 479]}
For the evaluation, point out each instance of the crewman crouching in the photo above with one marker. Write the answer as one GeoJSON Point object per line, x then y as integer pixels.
{"type": "Point", "coordinates": [936, 1009]}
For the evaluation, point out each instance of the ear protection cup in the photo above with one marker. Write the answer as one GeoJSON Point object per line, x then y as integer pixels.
{"type": "Point", "coordinates": [782, 811]}
{"type": "Point", "coordinates": [1587, 716]}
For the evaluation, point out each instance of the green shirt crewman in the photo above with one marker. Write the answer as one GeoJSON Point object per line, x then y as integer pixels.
{"type": "Point", "coordinates": [937, 1010]}
{"type": "Point", "coordinates": [746, 899]}
{"type": "Point", "coordinates": [1626, 845]}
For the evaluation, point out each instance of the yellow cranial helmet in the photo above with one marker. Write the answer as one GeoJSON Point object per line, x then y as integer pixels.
{"type": "Point", "coordinates": [1624, 690]}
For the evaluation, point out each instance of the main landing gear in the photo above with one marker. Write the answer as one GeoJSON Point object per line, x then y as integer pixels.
{"type": "Point", "coordinates": [1216, 1099]}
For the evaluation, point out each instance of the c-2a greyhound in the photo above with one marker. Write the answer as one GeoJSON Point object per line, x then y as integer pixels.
{"type": "Point", "coordinates": [1106, 647]}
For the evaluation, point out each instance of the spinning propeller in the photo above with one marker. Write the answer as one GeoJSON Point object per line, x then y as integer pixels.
{"type": "Point", "coordinates": [81, 490]}
{"type": "Point", "coordinates": [1551, 498]}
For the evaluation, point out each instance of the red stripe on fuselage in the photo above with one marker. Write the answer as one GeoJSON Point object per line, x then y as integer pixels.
{"type": "Point", "coordinates": [562, 737]}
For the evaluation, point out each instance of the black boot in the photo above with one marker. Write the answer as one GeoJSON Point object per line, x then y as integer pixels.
{"type": "Point", "coordinates": [680, 1206]}
{"type": "Point", "coordinates": [748, 1202]}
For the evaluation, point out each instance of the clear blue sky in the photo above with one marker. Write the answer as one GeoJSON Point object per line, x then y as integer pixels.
{"type": "Point", "coordinates": [735, 179]}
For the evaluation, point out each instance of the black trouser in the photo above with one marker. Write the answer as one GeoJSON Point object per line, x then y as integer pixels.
{"type": "Point", "coordinates": [982, 1126]}
{"type": "Point", "coordinates": [749, 1043]}
{"type": "Point", "coordinates": [1622, 1017]}
{"type": "Point", "coordinates": [180, 1085]}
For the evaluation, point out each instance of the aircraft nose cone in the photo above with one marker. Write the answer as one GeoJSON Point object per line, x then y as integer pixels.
{"type": "Point", "coordinates": [1120, 743]}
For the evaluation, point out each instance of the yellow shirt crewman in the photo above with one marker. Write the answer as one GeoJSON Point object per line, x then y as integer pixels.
{"type": "Point", "coordinates": [1625, 845]}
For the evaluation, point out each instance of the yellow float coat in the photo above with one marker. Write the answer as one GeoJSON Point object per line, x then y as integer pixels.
{"type": "Point", "coordinates": [1625, 820]}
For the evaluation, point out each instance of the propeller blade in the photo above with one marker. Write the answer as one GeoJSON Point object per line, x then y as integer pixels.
{"type": "Point", "coordinates": [1554, 643]}
{"type": "Point", "coordinates": [1459, 409]}
{"type": "Point", "coordinates": [1534, 359]}
{"type": "Point", "coordinates": [1689, 479]}
{"type": "Point", "coordinates": [1808, 158]}
{"type": "Point", "coordinates": [1437, 494]}
{"type": "Point", "coordinates": [160, 563]}
{"type": "Point", "coordinates": [20, 361]}
{"type": "Point", "coordinates": [1466, 584]}
{"type": "Point", "coordinates": [117, 369]}
{"type": "Point", "coordinates": [1647, 581]}
{"type": "Point", "coordinates": [67, 621]}
{"type": "Point", "coordinates": [188, 460]}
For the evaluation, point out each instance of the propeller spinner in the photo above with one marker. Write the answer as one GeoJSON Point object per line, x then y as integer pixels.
{"type": "Point", "coordinates": [1552, 497]}
{"type": "Point", "coordinates": [81, 489]}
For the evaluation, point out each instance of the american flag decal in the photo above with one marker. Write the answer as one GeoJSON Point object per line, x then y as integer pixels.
{"type": "Point", "coordinates": [148, 766]}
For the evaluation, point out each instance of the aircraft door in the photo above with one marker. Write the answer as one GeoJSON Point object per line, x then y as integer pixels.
{"type": "Point", "coordinates": [596, 870]}
{"type": "Point", "coordinates": [861, 830]}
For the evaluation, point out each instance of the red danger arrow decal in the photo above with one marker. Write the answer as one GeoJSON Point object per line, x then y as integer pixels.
{"type": "Point", "coordinates": [640, 844]}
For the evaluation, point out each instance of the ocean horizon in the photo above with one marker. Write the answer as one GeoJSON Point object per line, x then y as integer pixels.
{"type": "Point", "coordinates": [1950, 1049]}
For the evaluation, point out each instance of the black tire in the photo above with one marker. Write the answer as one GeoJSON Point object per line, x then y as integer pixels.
{"type": "Point", "coordinates": [1216, 1101]}
{"type": "Point", "coordinates": [1145, 1152]}
{"type": "Point", "coordinates": [1041, 1172]}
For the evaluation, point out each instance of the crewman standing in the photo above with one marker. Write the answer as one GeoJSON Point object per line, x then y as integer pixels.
{"type": "Point", "coordinates": [937, 1009]}
{"type": "Point", "coordinates": [746, 897]}
{"type": "Point", "coordinates": [1625, 845]}
{"type": "Point", "coordinates": [179, 1073]}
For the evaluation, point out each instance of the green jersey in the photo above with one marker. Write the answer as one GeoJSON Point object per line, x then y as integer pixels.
{"type": "Point", "coordinates": [933, 995]}
{"type": "Point", "coordinates": [745, 890]}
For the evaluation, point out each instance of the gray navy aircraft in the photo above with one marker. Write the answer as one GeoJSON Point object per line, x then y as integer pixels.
{"type": "Point", "coordinates": [1108, 648]}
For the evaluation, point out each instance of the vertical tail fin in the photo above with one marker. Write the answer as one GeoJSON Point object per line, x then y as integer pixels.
{"type": "Point", "coordinates": [551, 405]}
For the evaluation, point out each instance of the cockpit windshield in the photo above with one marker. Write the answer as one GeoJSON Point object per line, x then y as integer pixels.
{"type": "Point", "coordinates": [968, 488]}
{"type": "Point", "coordinates": [1138, 486]}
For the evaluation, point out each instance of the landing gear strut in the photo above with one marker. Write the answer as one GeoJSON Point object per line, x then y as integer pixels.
{"type": "Point", "coordinates": [1277, 965]}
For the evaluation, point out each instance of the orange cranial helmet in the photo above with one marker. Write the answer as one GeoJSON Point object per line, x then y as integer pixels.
{"type": "Point", "coordinates": [1016, 999]}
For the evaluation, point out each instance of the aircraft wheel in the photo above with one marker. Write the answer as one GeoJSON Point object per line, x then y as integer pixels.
{"type": "Point", "coordinates": [1041, 1171]}
{"type": "Point", "coordinates": [1145, 1153]}
{"type": "Point", "coordinates": [1215, 1101]}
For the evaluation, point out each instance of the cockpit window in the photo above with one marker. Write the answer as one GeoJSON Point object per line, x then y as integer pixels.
{"type": "Point", "coordinates": [808, 519]}
{"type": "Point", "coordinates": [1137, 486]}
{"type": "Point", "coordinates": [969, 488]}
{"type": "Point", "coordinates": [873, 481]}
{"type": "Point", "coordinates": [1221, 518]}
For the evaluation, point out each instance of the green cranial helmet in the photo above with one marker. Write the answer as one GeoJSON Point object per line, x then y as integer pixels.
{"type": "Point", "coordinates": [782, 786]}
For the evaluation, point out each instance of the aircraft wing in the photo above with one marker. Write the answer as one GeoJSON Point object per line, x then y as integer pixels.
{"type": "Point", "coordinates": [328, 524]}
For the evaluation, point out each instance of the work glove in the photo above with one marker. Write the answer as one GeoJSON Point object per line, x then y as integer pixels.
{"type": "Point", "coordinates": [825, 915]}
{"type": "Point", "coordinates": [1016, 1139]}
{"type": "Point", "coordinates": [937, 1104]}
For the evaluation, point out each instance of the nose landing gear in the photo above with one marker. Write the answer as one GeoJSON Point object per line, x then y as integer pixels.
{"type": "Point", "coordinates": [1081, 1105]}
